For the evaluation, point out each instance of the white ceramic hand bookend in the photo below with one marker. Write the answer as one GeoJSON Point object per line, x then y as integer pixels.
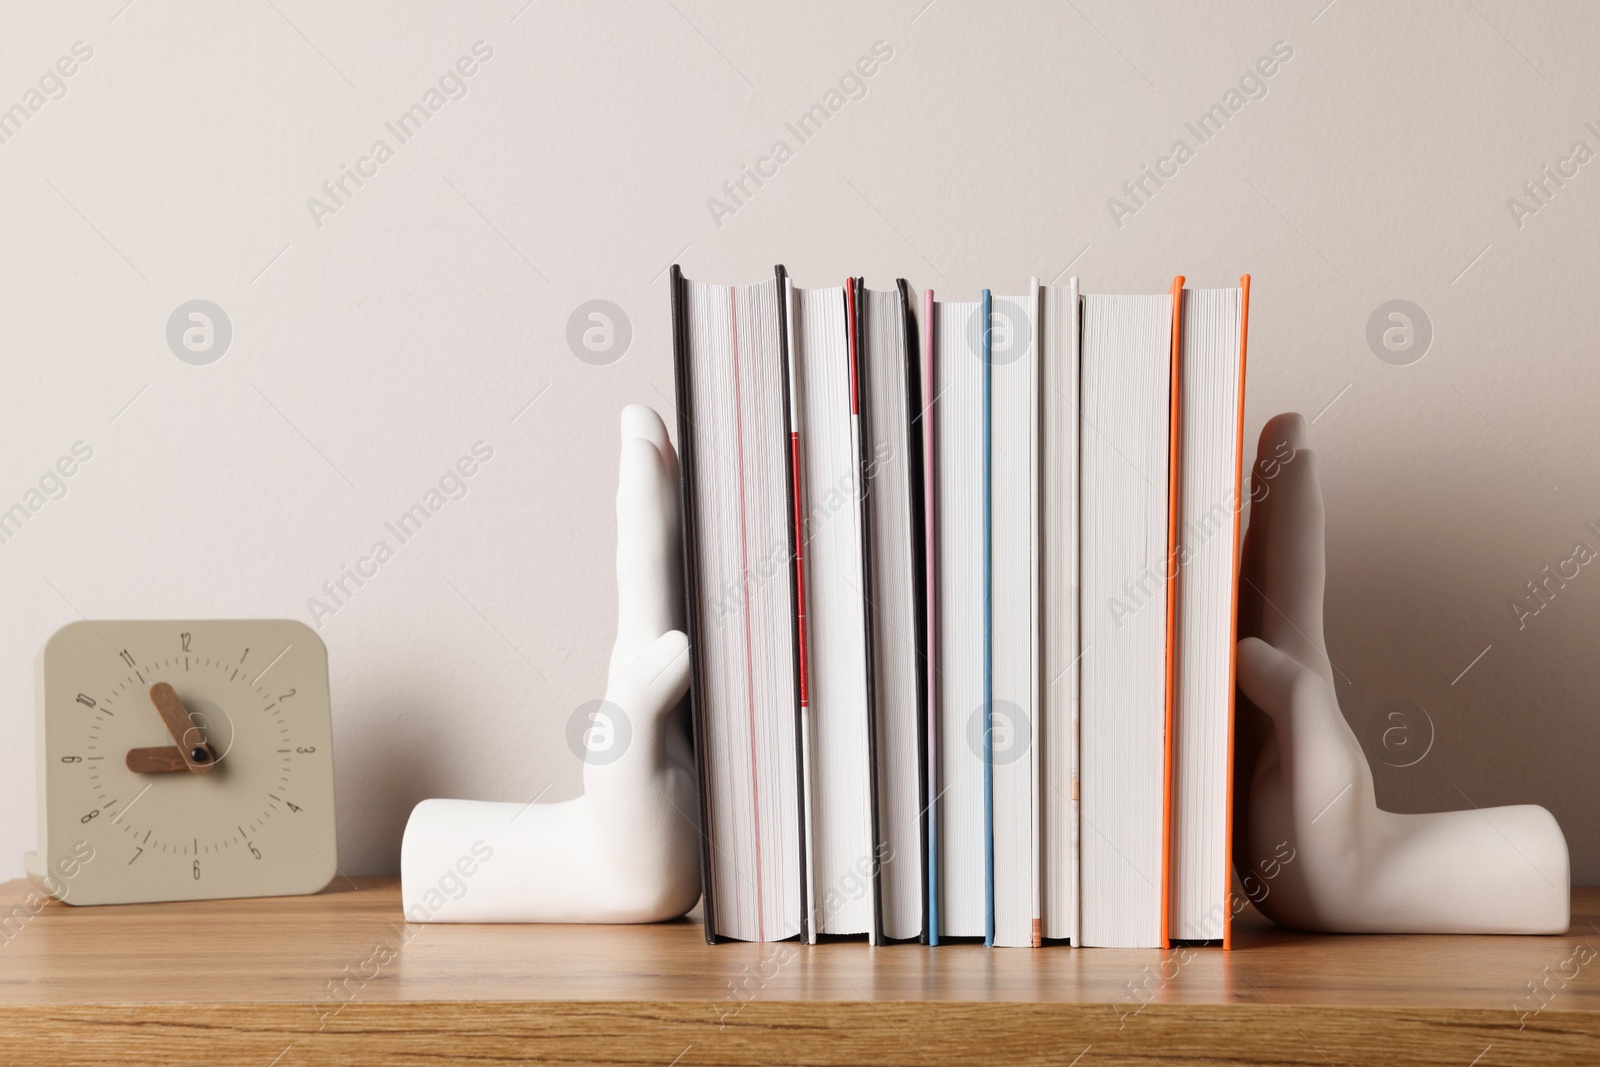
{"type": "Point", "coordinates": [1302, 778]}
{"type": "Point", "coordinates": [628, 849]}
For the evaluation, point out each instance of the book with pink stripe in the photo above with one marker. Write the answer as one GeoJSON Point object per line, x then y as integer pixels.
{"type": "Point", "coordinates": [737, 446]}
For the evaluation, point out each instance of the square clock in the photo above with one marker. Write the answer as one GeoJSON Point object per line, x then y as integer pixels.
{"type": "Point", "coordinates": [183, 761]}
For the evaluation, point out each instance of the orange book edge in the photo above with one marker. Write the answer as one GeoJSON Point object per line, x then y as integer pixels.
{"type": "Point", "coordinates": [1173, 405]}
{"type": "Point", "coordinates": [1172, 597]}
{"type": "Point", "coordinates": [1233, 611]}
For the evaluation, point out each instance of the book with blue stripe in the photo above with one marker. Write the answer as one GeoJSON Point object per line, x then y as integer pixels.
{"type": "Point", "coordinates": [958, 817]}
{"type": "Point", "coordinates": [962, 599]}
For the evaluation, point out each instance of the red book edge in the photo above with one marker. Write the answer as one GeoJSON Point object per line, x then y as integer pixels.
{"type": "Point", "coordinates": [799, 530]}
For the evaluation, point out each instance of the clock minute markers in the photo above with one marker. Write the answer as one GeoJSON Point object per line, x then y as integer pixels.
{"type": "Point", "coordinates": [117, 818]}
{"type": "Point", "coordinates": [172, 759]}
{"type": "Point", "coordinates": [269, 666]}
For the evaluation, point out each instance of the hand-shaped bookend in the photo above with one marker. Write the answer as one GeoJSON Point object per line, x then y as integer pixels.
{"type": "Point", "coordinates": [1302, 778]}
{"type": "Point", "coordinates": [628, 849]}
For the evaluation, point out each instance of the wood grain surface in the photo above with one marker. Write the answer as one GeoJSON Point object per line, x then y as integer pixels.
{"type": "Point", "coordinates": [160, 759]}
{"type": "Point", "coordinates": [341, 978]}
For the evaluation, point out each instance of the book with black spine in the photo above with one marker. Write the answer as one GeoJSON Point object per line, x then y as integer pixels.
{"type": "Point", "coordinates": [889, 385]}
{"type": "Point", "coordinates": [737, 446]}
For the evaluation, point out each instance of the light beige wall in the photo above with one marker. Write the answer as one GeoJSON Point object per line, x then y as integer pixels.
{"type": "Point", "coordinates": [371, 351]}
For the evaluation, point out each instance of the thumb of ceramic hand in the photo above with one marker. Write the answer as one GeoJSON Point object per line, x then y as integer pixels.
{"type": "Point", "coordinates": [1311, 752]}
{"type": "Point", "coordinates": [1311, 794]}
{"type": "Point", "coordinates": [641, 768]}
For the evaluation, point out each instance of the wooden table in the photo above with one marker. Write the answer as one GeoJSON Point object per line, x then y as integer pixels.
{"type": "Point", "coordinates": [340, 978]}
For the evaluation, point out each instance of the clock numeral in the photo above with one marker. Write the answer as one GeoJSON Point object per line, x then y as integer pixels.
{"type": "Point", "coordinates": [90, 817]}
{"type": "Point", "coordinates": [256, 852]}
{"type": "Point", "coordinates": [86, 700]}
{"type": "Point", "coordinates": [71, 759]}
{"type": "Point", "coordinates": [185, 638]}
{"type": "Point", "coordinates": [292, 806]}
{"type": "Point", "coordinates": [127, 657]}
{"type": "Point", "coordinates": [306, 749]}
{"type": "Point", "coordinates": [197, 870]}
{"type": "Point", "coordinates": [287, 695]}
{"type": "Point", "coordinates": [138, 850]}
{"type": "Point", "coordinates": [241, 658]}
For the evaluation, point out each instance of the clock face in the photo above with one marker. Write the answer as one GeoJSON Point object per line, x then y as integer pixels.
{"type": "Point", "coordinates": [183, 761]}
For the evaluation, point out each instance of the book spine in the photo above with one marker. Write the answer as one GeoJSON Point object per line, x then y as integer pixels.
{"type": "Point", "coordinates": [930, 518]}
{"type": "Point", "coordinates": [1233, 608]}
{"type": "Point", "coordinates": [855, 317]}
{"type": "Point", "coordinates": [915, 473]}
{"type": "Point", "coordinates": [986, 310]}
{"type": "Point", "coordinates": [1174, 410]}
{"type": "Point", "coordinates": [797, 593]}
{"type": "Point", "coordinates": [691, 585]}
{"type": "Point", "coordinates": [1035, 357]}
{"type": "Point", "coordinates": [1074, 363]}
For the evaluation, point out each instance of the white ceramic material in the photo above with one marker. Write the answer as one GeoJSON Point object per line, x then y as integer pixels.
{"type": "Point", "coordinates": [1301, 776]}
{"type": "Point", "coordinates": [628, 849]}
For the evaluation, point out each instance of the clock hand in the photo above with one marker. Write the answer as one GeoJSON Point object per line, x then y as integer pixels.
{"type": "Point", "coordinates": [191, 739]}
{"type": "Point", "coordinates": [156, 760]}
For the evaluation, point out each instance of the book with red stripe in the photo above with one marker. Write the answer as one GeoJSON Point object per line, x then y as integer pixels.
{"type": "Point", "coordinates": [838, 736]}
{"type": "Point", "coordinates": [737, 450]}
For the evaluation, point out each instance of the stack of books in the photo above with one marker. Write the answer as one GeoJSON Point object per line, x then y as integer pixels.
{"type": "Point", "coordinates": [962, 592]}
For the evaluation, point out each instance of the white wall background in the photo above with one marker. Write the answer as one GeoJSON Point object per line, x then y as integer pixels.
{"type": "Point", "coordinates": [371, 351]}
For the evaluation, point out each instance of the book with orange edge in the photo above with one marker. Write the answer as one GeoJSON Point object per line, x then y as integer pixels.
{"type": "Point", "coordinates": [1233, 607]}
{"type": "Point", "coordinates": [1174, 592]}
